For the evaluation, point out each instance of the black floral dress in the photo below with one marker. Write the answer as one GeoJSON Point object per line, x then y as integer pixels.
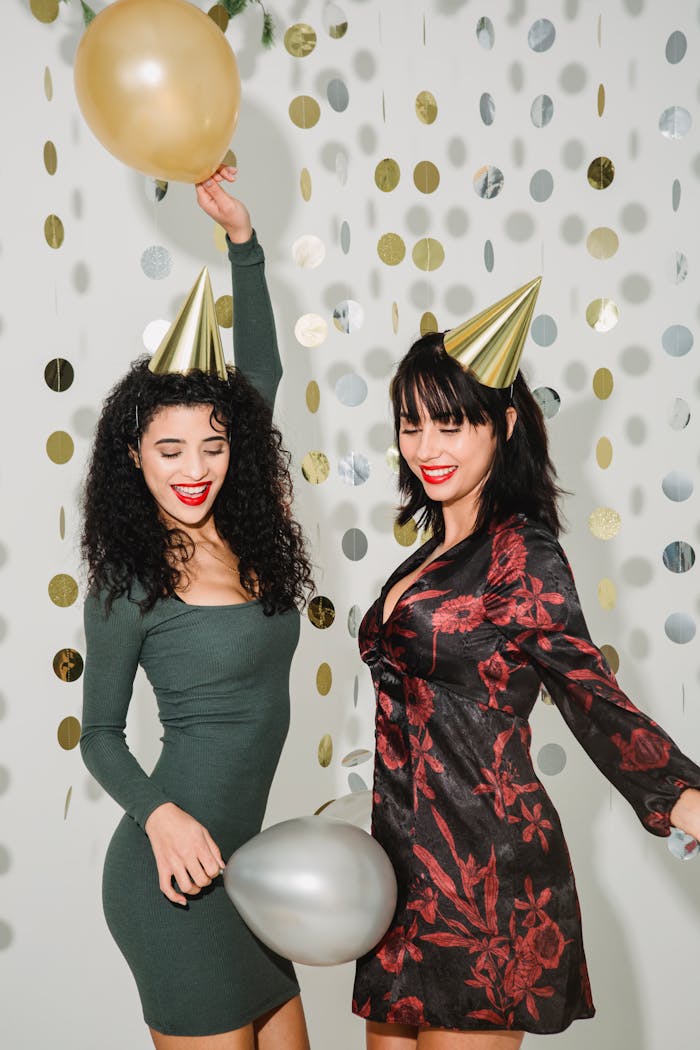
{"type": "Point", "coordinates": [487, 932]}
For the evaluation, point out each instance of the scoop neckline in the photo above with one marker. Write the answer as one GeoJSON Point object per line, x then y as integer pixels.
{"type": "Point", "coordinates": [228, 605]}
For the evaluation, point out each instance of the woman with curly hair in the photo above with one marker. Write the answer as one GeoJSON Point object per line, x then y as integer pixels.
{"type": "Point", "coordinates": [196, 572]}
{"type": "Point", "coordinates": [486, 941]}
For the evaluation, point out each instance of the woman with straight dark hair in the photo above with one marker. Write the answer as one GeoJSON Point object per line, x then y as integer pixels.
{"type": "Point", "coordinates": [486, 943]}
{"type": "Point", "coordinates": [196, 572]}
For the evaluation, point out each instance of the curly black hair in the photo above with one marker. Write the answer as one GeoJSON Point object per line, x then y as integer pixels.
{"type": "Point", "coordinates": [522, 478]}
{"type": "Point", "coordinates": [124, 539]}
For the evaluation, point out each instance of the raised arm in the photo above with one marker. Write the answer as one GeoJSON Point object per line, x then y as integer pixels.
{"type": "Point", "coordinates": [254, 335]}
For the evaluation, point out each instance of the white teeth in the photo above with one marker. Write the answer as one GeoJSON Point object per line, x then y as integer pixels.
{"type": "Point", "coordinates": [190, 490]}
{"type": "Point", "coordinates": [441, 472]}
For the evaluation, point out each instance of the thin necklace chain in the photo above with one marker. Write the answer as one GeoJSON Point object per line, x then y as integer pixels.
{"type": "Point", "coordinates": [205, 547]}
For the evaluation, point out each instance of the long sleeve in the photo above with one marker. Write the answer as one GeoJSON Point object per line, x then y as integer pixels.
{"type": "Point", "coordinates": [113, 648]}
{"type": "Point", "coordinates": [531, 597]}
{"type": "Point", "coordinates": [254, 336]}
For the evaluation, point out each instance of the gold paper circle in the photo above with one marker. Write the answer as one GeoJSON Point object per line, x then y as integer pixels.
{"type": "Point", "coordinates": [406, 535]}
{"type": "Point", "coordinates": [387, 174]}
{"type": "Point", "coordinates": [229, 158]}
{"type": "Point", "coordinates": [602, 314]}
{"type": "Point", "coordinates": [428, 323]}
{"type": "Point", "coordinates": [604, 523]}
{"type": "Point", "coordinates": [612, 656]}
{"type": "Point", "coordinates": [603, 383]}
{"type": "Point", "coordinates": [44, 10]}
{"type": "Point", "coordinates": [304, 111]}
{"type": "Point", "coordinates": [219, 15]}
{"type": "Point", "coordinates": [394, 317]}
{"type": "Point", "coordinates": [313, 396]}
{"type": "Point", "coordinates": [59, 447]}
{"type": "Point", "coordinates": [62, 523]}
{"type": "Point", "coordinates": [601, 100]}
{"type": "Point", "coordinates": [300, 40]}
{"type": "Point", "coordinates": [50, 157]}
{"type": "Point", "coordinates": [604, 453]}
{"type": "Point", "coordinates": [68, 665]}
{"type": "Point", "coordinates": [391, 249]}
{"type": "Point", "coordinates": [315, 467]}
{"type": "Point", "coordinates": [601, 172]}
{"type": "Point", "coordinates": [602, 243]}
{"type": "Point", "coordinates": [63, 590]}
{"type": "Point", "coordinates": [426, 176]}
{"type": "Point", "coordinates": [305, 184]}
{"type": "Point", "coordinates": [69, 733]}
{"type": "Point", "coordinates": [426, 107]}
{"type": "Point", "coordinates": [224, 310]}
{"type": "Point", "coordinates": [48, 84]}
{"type": "Point", "coordinates": [324, 679]}
{"type": "Point", "coordinates": [607, 594]}
{"type": "Point", "coordinates": [321, 612]}
{"type": "Point", "coordinates": [325, 750]}
{"type": "Point", "coordinates": [428, 254]}
{"type": "Point", "coordinates": [392, 458]}
{"type": "Point", "coordinates": [53, 231]}
{"type": "Point", "coordinates": [59, 374]}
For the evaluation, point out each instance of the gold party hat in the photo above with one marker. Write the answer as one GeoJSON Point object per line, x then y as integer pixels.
{"type": "Point", "coordinates": [193, 339]}
{"type": "Point", "coordinates": [491, 343]}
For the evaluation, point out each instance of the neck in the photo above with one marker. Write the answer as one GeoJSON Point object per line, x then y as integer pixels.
{"type": "Point", "coordinates": [459, 522]}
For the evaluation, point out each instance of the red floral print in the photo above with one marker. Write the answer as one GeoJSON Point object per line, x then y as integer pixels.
{"type": "Point", "coordinates": [644, 750]}
{"type": "Point", "coordinates": [487, 931]}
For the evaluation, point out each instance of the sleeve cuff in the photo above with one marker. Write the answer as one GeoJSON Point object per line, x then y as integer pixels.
{"type": "Point", "coordinates": [247, 254]}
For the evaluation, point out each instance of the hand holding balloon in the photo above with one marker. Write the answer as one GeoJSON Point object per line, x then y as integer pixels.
{"type": "Point", "coordinates": [184, 850]}
{"type": "Point", "coordinates": [316, 890]}
{"type": "Point", "coordinates": [158, 84]}
{"type": "Point", "coordinates": [228, 211]}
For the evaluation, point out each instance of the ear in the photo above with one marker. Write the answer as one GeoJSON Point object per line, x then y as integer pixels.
{"type": "Point", "coordinates": [135, 458]}
{"type": "Point", "coordinates": [511, 420]}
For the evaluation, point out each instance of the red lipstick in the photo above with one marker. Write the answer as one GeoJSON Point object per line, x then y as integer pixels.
{"type": "Point", "coordinates": [437, 475]}
{"type": "Point", "coordinates": [192, 495]}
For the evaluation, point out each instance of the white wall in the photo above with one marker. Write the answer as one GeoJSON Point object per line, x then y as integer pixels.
{"type": "Point", "coordinates": [62, 982]}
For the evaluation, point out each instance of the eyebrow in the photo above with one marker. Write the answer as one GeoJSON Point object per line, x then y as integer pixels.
{"type": "Point", "coordinates": [181, 441]}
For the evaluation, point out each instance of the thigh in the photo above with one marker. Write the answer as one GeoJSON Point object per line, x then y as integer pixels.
{"type": "Point", "coordinates": [239, 1039]}
{"type": "Point", "coordinates": [382, 1036]}
{"type": "Point", "coordinates": [283, 1028]}
{"type": "Point", "coordinates": [446, 1039]}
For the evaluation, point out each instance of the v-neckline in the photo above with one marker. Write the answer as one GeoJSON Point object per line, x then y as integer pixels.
{"type": "Point", "coordinates": [405, 569]}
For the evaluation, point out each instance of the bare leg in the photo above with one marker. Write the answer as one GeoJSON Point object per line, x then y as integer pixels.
{"type": "Point", "coordinates": [391, 1036]}
{"type": "Point", "coordinates": [240, 1039]}
{"type": "Point", "coordinates": [443, 1039]}
{"type": "Point", "coordinates": [283, 1028]}
{"type": "Point", "coordinates": [405, 1037]}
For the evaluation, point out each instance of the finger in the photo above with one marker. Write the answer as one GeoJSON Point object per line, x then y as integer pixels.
{"type": "Point", "coordinates": [169, 891]}
{"type": "Point", "coordinates": [184, 881]}
{"type": "Point", "coordinates": [215, 851]}
{"type": "Point", "coordinates": [211, 867]}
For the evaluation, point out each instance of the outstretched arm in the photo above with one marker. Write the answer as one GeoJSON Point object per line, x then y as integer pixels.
{"type": "Point", "coordinates": [254, 335]}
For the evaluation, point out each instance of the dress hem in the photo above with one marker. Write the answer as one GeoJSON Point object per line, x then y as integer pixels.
{"type": "Point", "coordinates": [218, 1030]}
{"type": "Point", "coordinates": [479, 1028]}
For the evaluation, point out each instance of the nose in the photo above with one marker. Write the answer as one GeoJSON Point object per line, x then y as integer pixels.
{"type": "Point", "coordinates": [428, 445]}
{"type": "Point", "coordinates": [194, 465]}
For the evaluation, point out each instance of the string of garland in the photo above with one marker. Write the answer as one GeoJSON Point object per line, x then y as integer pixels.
{"type": "Point", "coordinates": [231, 7]}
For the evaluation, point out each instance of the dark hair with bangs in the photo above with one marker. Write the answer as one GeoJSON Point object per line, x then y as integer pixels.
{"type": "Point", "coordinates": [522, 479]}
{"type": "Point", "coordinates": [124, 540]}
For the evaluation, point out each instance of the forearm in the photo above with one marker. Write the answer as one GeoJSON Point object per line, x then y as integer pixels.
{"type": "Point", "coordinates": [254, 335]}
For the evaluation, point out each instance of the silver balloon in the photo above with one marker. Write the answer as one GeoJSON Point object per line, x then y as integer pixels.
{"type": "Point", "coordinates": [316, 890]}
{"type": "Point", "coordinates": [355, 808]}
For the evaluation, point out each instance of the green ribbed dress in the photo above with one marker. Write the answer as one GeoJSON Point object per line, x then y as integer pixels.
{"type": "Point", "coordinates": [220, 675]}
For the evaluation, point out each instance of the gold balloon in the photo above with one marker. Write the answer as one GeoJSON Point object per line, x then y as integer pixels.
{"type": "Point", "coordinates": [158, 84]}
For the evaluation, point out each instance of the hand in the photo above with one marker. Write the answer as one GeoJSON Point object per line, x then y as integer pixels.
{"type": "Point", "coordinates": [686, 812]}
{"type": "Point", "coordinates": [228, 211]}
{"type": "Point", "coordinates": [184, 850]}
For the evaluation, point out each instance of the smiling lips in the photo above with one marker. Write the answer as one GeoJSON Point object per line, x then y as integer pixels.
{"type": "Point", "coordinates": [192, 495]}
{"type": "Point", "coordinates": [437, 475]}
